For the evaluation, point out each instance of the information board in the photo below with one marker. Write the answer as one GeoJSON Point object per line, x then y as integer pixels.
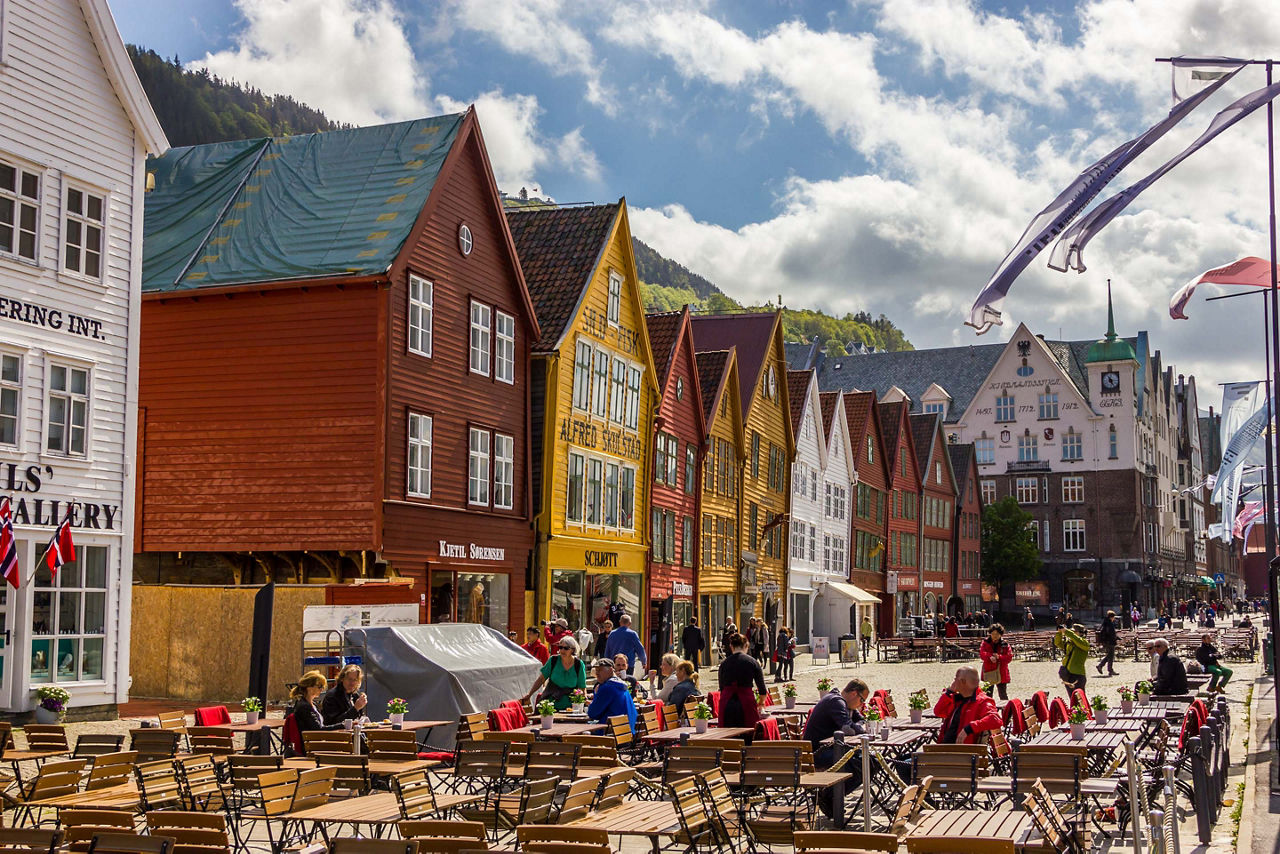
{"type": "Point", "coordinates": [340, 617]}
{"type": "Point", "coordinates": [821, 650]}
{"type": "Point", "coordinates": [849, 651]}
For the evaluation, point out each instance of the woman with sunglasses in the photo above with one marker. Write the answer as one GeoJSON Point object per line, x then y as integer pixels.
{"type": "Point", "coordinates": [563, 674]}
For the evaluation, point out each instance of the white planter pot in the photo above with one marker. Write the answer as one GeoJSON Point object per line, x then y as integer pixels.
{"type": "Point", "coordinates": [547, 721]}
{"type": "Point", "coordinates": [917, 715]}
{"type": "Point", "coordinates": [577, 708]}
{"type": "Point", "coordinates": [873, 727]}
{"type": "Point", "coordinates": [791, 702]}
{"type": "Point", "coordinates": [251, 717]}
{"type": "Point", "coordinates": [1100, 716]}
{"type": "Point", "coordinates": [1143, 699]}
{"type": "Point", "coordinates": [700, 724]}
{"type": "Point", "coordinates": [397, 717]}
{"type": "Point", "coordinates": [1126, 706]}
{"type": "Point", "coordinates": [1077, 732]}
{"type": "Point", "coordinates": [44, 716]}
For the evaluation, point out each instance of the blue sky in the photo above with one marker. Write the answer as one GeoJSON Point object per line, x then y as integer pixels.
{"type": "Point", "coordinates": [875, 154]}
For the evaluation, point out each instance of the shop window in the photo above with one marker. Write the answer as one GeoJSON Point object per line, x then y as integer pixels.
{"type": "Point", "coordinates": [478, 468]}
{"type": "Point", "coordinates": [574, 491]}
{"type": "Point", "coordinates": [504, 363]}
{"type": "Point", "coordinates": [67, 422]}
{"type": "Point", "coordinates": [421, 309]}
{"type": "Point", "coordinates": [480, 338]}
{"type": "Point", "coordinates": [504, 471]}
{"type": "Point", "coordinates": [1078, 587]}
{"type": "Point", "coordinates": [419, 455]}
{"type": "Point", "coordinates": [10, 396]}
{"type": "Point", "coordinates": [82, 224]}
{"type": "Point", "coordinates": [567, 592]}
{"type": "Point", "coordinates": [471, 597]}
{"type": "Point", "coordinates": [68, 619]}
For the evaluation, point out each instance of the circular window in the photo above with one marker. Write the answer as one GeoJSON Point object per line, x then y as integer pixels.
{"type": "Point", "coordinates": [679, 388]}
{"type": "Point", "coordinates": [465, 241]}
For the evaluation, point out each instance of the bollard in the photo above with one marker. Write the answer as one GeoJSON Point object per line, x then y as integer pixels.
{"type": "Point", "coordinates": [1200, 787]}
{"type": "Point", "coordinates": [1170, 842]}
{"type": "Point", "coordinates": [1135, 794]}
{"type": "Point", "coordinates": [866, 782]}
{"type": "Point", "coordinates": [1156, 820]}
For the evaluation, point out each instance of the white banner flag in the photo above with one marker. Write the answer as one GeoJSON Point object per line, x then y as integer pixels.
{"type": "Point", "coordinates": [1239, 402]}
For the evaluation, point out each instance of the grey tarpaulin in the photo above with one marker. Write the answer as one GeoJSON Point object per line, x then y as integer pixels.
{"type": "Point", "coordinates": [443, 670]}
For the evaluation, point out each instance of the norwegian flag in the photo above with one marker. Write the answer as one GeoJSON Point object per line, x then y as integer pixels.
{"type": "Point", "coordinates": [61, 548]}
{"type": "Point", "coordinates": [8, 546]}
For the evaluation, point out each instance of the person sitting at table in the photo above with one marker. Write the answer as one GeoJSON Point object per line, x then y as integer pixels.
{"type": "Point", "coordinates": [563, 675]}
{"type": "Point", "coordinates": [741, 681]}
{"type": "Point", "coordinates": [966, 712]}
{"type": "Point", "coordinates": [837, 711]}
{"type": "Point", "coordinates": [344, 701]}
{"type": "Point", "coordinates": [305, 714]}
{"type": "Point", "coordinates": [1171, 675]}
{"type": "Point", "coordinates": [611, 697]}
{"type": "Point", "coordinates": [633, 684]}
{"type": "Point", "coordinates": [668, 679]}
{"type": "Point", "coordinates": [686, 687]}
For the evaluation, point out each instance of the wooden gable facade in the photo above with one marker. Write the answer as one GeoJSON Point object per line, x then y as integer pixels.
{"type": "Point", "coordinates": [873, 503]}
{"type": "Point", "coordinates": [937, 511]}
{"type": "Point", "coordinates": [967, 530]}
{"type": "Point", "coordinates": [902, 531]}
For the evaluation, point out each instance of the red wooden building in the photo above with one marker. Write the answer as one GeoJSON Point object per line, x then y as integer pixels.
{"type": "Point", "coordinates": [334, 368]}
{"type": "Point", "coordinates": [966, 542]}
{"type": "Point", "coordinates": [872, 466]}
{"type": "Point", "coordinates": [902, 529]}
{"type": "Point", "coordinates": [937, 511]}
{"type": "Point", "coordinates": [678, 451]}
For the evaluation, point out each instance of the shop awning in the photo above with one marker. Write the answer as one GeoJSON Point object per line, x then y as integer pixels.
{"type": "Point", "coordinates": [1128, 577]}
{"type": "Point", "coordinates": [1207, 580]}
{"type": "Point", "coordinates": [851, 592]}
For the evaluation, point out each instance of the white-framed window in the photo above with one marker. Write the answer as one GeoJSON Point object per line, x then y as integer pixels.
{"type": "Point", "coordinates": [611, 495]}
{"type": "Point", "coordinates": [504, 471]}
{"type": "Point", "coordinates": [935, 408]}
{"type": "Point", "coordinates": [797, 542]}
{"type": "Point", "coordinates": [582, 377]}
{"type": "Point", "coordinates": [627, 499]}
{"type": "Point", "coordinates": [633, 402]}
{"type": "Point", "coordinates": [871, 449]}
{"type": "Point", "coordinates": [618, 392]}
{"type": "Point", "coordinates": [1073, 535]}
{"type": "Point", "coordinates": [19, 209]}
{"type": "Point", "coordinates": [937, 473]}
{"type": "Point", "coordinates": [615, 299]}
{"type": "Point", "coordinates": [988, 488]}
{"type": "Point", "coordinates": [67, 419]}
{"type": "Point", "coordinates": [481, 318]}
{"type": "Point", "coordinates": [1033, 531]}
{"type": "Point", "coordinates": [478, 468]}
{"type": "Point", "coordinates": [10, 397]}
{"type": "Point", "coordinates": [421, 315]}
{"type": "Point", "coordinates": [1028, 448]}
{"type": "Point", "coordinates": [687, 534]}
{"type": "Point", "coordinates": [1072, 445]}
{"type": "Point", "coordinates": [1112, 443]}
{"type": "Point", "coordinates": [83, 217]}
{"type": "Point", "coordinates": [1048, 406]}
{"type": "Point", "coordinates": [600, 387]}
{"type": "Point", "coordinates": [1005, 408]}
{"type": "Point", "coordinates": [69, 618]}
{"type": "Point", "coordinates": [419, 465]}
{"type": "Point", "coordinates": [595, 490]}
{"type": "Point", "coordinates": [1073, 489]}
{"type": "Point", "coordinates": [690, 468]}
{"type": "Point", "coordinates": [985, 449]}
{"type": "Point", "coordinates": [1027, 490]}
{"type": "Point", "coordinates": [504, 355]}
{"type": "Point", "coordinates": [576, 487]}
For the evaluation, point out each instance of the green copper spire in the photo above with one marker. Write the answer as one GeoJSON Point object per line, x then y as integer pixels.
{"type": "Point", "coordinates": [1111, 348]}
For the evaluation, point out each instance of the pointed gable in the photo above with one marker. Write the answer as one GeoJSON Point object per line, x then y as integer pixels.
{"type": "Point", "coordinates": [929, 444]}
{"type": "Point", "coordinates": [752, 335]}
{"type": "Point", "coordinates": [664, 330]}
{"type": "Point", "coordinates": [863, 415]}
{"type": "Point", "coordinates": [963, 466]}
{"type": "Point", "coordinates": [798, 393]}
{"type": "Point", "coordinates": [830, 402]}
{"type": "Point", "coordinates": [890, 427]}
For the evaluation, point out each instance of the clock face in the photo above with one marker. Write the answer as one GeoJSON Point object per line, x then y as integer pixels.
{"type": "Point", "coordinates": [1111, 381]}
{"type": "Point", "coordinates": [679, 388]}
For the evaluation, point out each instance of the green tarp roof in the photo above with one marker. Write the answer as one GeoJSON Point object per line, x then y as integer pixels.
{"type": "Point", "coordinates": [261, 210]}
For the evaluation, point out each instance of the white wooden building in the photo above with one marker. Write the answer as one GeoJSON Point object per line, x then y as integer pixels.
{"type": "Point", "coordinates": [73, 144]}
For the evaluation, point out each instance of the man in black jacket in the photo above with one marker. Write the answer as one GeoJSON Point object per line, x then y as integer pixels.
{"type": "Point", "coordinates": [692, 642]}
{"type": "Point", "coordinates": [1107, 640]}
{"type": "Point", "coordinates": [1171, 675]}
{"type": "Point", "coordinates": [1211, 661]}
{"type": "Point", "coordinates": [344, 701]}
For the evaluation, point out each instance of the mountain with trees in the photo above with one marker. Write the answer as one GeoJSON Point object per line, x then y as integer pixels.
{"type": "Point", "coordinates": [196, 107]}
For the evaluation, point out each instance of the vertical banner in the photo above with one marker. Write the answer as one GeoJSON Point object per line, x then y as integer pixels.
{"type": "Point", "coordinates": [1244, 415]}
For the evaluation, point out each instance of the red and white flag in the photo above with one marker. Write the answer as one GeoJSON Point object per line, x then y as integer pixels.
{"type": "Point", "coordinates": [61, 549]}
{"type": "Point", "coordinates": [1250, 271]}
{"type": "Point", "coordinates": [8, 545]}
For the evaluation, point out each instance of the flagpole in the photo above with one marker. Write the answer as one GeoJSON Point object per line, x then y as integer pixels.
{"type": "Point", "coordinates": [1275, 372]}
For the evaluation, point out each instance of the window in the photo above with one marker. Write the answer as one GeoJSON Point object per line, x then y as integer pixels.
{"type": "Point", "coordinates": [1033, 532]}
{"type": "Point", "coordinates": [986, 450]}
{"type": "Point", "coordinates": [633, 402]}
{"type": "Point", "coordinates": [690, 468]}
{"type": "Point", "coordinates": [627, 510]}
{"type": "Point", "coordinates": [82, 233]}
{"type": "Point", "coordinates": [1027, 490]}
{"type": "Point", "coordinates": [10, 394]}
{"type": "Point", "coordinates": [419, 455]}
{"type": "Point", "coordinates": [1111, 436]}
{"type": "Point", "coordinates": [421, 301]}
{"type": "Point", "coordinates": [1072, 446]}
{"type": "Point", "coordinates": [813, 543]}
{"type": "Point", "coordinates": [19, 210]}
{"type": "Point", "coordinates": [669, 537]}
{"type": "Point", "coordinates": [755, 454]}
{"type": "Point", "coordinates": [504, 471]}
{"type": "Point", "coordinates": [708, 541]}
{"type": "Point", "coordinates": [686, 542]}
{"type": "Point", "coordinates": [504, 363]}
{"type": "Point", "coordinates": [68, 619]}
{"type": "Point", "coordinates": [600, 392]}
{"type": "Point", "coordinates": [478, 468]}
{"type": "Point", "coordinates": [595, 475]}
{"type": "Point", "coordinates": [1028, 448]}
{"type": "Point", "coordinates": [871, 449]}
{"type": "Point", "coordinates": [1073, 490]}
{"type": "Point", "coordinates": [611, 495]}
{"type": "Point", "coordinates": [480, 319]}
{"type": "Point", "coordinates": [577, 466]}
{"type": "Point", "coordinates": [1073, 535]}
{"type": "Point", "coordinates": [1048, 406]}
{"type": "Point", "coordinates": [615, 298]}
{"type": "Point", "coordinates": [1004, 408]}
{"type": "Point", "coordinates": [660, 458]}
{"type": "Point", "coordinates": [936, 408]}
{"type": "Point", "coordinates": [658, 546]}
{"type": "Point", "coordinates": [754, 539]}
{"type": "Point", "coordinates": [797, 542]}
{"type": "Point", "coordinates": [68, 418]}
{"type": "Point", "coordinates": [618, 395]}
{"type": "Point", "coordinates": [582, 377]}
{"type": "Point", "coordinates": [937, 473]}
{"type": "Point", "coordinates": [777, 469]}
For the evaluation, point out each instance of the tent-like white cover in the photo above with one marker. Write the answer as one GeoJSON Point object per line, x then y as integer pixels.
{"type": "Point", "coordinates": [444, 670]}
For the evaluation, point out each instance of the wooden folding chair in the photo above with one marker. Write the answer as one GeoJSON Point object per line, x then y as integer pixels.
{"type": "Point", "coordinates": [414, 794]}
{"type": "Point", "coordinates": [598, 751]}
{"type": "Point", "coordinates": [349, 845]}
{"type": "Point", "coordinates": [691, 813]}
{"type": "Point", "coordinates": [192, 832]}
{"type": "Point", "coordinates": [111, 769]}
{"type": "Point", "coordinates": [328, 741]}
{"type": "Point", "coordinates": [53, 780]}
{"type": "Point", "coordinates": [80, 826]}
{"type": "Point", "coordinates": [544, 759]}
{"type": "Point", "coordinates": [97, 744]}
{"type": "Point", "coordinates": [670, 715]}
{"type": "Point", "coordinates": [613, 788]}
{"type": "Point", "coordinates": [473, 727]}
{"type": "Point", "coordinates": [445, 837]}
{"type": "Point", "coordinates": [955, 774]}
{"type": "Point", "coordinates": [158, 785]}
{"type": "Point", "coordinates": [175, 720]}
{"type": "Point", "coordinates": [130, 843]}
{"type": "Point", "coordinates": [201, 787]}
{"type": "Point", "coordinates": [546, 839]}
{"type": "Point", "coordinates": [213, 740]}
{"type": "Point", "coordinates": [533, 804]}
{"type": "Point", "coordinates": [765, 749]}
{"type": "Point", "coordinates": [969, 845]}
{"type": "Point", "coordinates": [275, 797]}
{"type": "Point", "coordinates": [391, 744]}
{"type": "Point", "coordinates": [153, 744]}
{"type": "Point", "coordinates": [623, 737]}
{"type": "Point", "coordinates": [578, 800]}
{"type": "Point", "coordinates": [30, 841]}
{"type": "Point", "coordinates": [517, 744]}
{"type": "Point", "coordinates": [685, 760]}
{"type": "Point", "coordinates": [46, 737]}
{"type": "Point", "coordinates": [351, 773]}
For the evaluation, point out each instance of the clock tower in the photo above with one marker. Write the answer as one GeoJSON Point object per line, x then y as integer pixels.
{"type": "Point", "coordinates": [1112, 362]}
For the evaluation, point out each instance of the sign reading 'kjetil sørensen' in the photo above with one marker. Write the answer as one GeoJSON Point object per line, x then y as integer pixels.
{"type": "Point", "coordinates": [50, 318]}
{"type": "Point", "coordinates": [471, 550]}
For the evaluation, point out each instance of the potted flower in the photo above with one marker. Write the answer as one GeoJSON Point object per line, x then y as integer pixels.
{"type": "Point", "coordinates": [1144, 692]}
{"type": "Point", "coordinates": [917, 702]}
{"type": "Point", "coordinates": [1126, 700]}
{"type": "Point", "coordinates": [53, 702]}
{"type": "Point", "coordinates": [252, 709]}
{"type": "Point", "coordinates": [873, 721]}
{"type": "Point", "coordinates": [988, 688]}
{"type": "Point", "coordinates": [1077, 717]}
{"type": "Point", "coordinates": [1100, 707]}
{"type": "Point", "coordinates": [396, 707]}
{"type": "Point", "coordinates": [789, 692]}
{"type": "Point", "coordinates": [825, 684]}
{"type": "Point", "coordinates": [578, 700]}
{"type": "Point", "coordinates": [701, 717]}
{"type": "Point", "coordinates": [547, 711]}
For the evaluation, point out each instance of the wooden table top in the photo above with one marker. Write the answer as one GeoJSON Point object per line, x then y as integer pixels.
{"type": "Point", "coordinates": [1006, 825]}
{"type": "Point", "coordinates": [1140, 713]}
{"type": "Point", "coordinates": [925, 725]}
{"type": "Point", "coordinates": [263, 723]}
{"type": "Point", "coordinates": [123, 796]}
{"type": "Point", "coordinates": [1100, 786]}
{"type": "Point", "coordinates": [897, 738]}
{"type": "Point", "coordinates": [378, 808]}
{"type": "Point", "coordinates": [408, 726]}
{"type": "Point", "coordinates": [674, 734]}
{"type": "Point", "coordinates": [809, 780]}
{"type": "Point", "coordinates": [560, 730]}
{"type": "Point", "coordinates": [634, 818]}
{"type": "Point", "coordinates": [1095, 739]}
{"type": "Point", "coordinates": [515, 770]}
{"type": "Point", "coordinates": [382, 767]}
{"type": "Point", "coordinates": [33, 755]}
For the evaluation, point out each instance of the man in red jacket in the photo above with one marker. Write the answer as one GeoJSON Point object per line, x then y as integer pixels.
{"type": "Point", "coordinates": [965, 710]}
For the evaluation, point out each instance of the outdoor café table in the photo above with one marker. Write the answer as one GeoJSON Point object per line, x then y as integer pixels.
{"type": "Point", "coordinates": [926, 724]}
{"type": "Point", "coordinates": [955, 825]}
{"type": "Point", "coordinates": [560, 730]}
{"type": "Point", "coordinates": [1094, 739]}
{"type": "Point", "coordinates": [515, 770]}
{"type": "Point", "coordinates": [36, 756]}
{"type": "Point", "coordinates": [378, 809]}
{"type": "Point", "coordinates": [683, 733]}
{"type": "Point", "coordinates": [834, 780]}
{"type": "Point", "coordinates": [651, 819]}
{"type": "Point", "coordinates": [123, 796]}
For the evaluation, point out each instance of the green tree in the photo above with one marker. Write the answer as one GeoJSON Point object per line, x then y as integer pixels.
{"type": "Point", "coordinates": [1009, 550]}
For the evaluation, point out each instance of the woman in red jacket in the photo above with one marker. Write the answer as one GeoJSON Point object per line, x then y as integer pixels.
{"type": "Point", "coordinates": [996, 655]}
{"type": "Point", "coordinates": [965, 710]}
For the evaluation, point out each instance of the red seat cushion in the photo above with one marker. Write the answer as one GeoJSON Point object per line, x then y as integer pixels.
{"type": "Point", "coordinates": [212, 716]}
{"type": "Point", "coordinates": [436, 756]}
{"type": "Point", "coordinates": [1057, 713]}
{"type": "Point", "coordinates": [517, 712]}
{"type": "Point", "coordinates": [1079, 698]}
{"type": "Point", "coordinates": [657, 707]}
{"type": "Point", "coordinates": [767, 730]}
{"type": "Point", "coordinates": [292, 735]}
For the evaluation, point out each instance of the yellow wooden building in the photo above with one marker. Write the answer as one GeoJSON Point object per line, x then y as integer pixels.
{"type": "Point", "coordinates": [593, 398]}
{"type": "Point", "coordinates": [720, 496]}
{"type": "Point", "coordinates": [770, 446]}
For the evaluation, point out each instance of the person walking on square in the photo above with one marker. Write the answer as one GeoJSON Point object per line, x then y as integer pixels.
{"type": "Point", "coordinates": [868, 631]}
{"type": "Point", "coordinates": [741, 681]}
{"type": "Point", "coordinates": [996, 654]}
{"type": "Point", "coordinates": [786, 652]}
{"type": "Point", "coordinates": [693, 642]}
{"type": "Point", "coordinates": [624, 640]}
{"type": "Point", "coordinates": [1075, 652]}
{"type": "Point", "coordinates": [1107, 639]}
